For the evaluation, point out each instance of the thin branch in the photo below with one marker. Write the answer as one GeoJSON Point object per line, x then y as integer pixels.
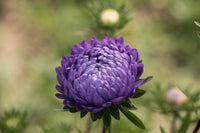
{"type": "Point", "coordinates": [197, 127]}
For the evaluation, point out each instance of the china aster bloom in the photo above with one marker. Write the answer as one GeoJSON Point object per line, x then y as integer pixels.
{"type": "Point", "coordinates": [98, 74]}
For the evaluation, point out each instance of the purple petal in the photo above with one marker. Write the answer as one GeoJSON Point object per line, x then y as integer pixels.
{"type": "Point", "coordinates": [118, 100]}
{"type": "Point", "coordinates": [61, 96]}
{"type": "Point", "coordinates": [59, 89]}
{"type": "Point", "coordinates": [140, 70]}
{"type": "Point", "coordinates": [96, 110]}
{"type": "Point", "coordinates": [107, 104]}
{"type": "Point", "coordinates": [138, 83]}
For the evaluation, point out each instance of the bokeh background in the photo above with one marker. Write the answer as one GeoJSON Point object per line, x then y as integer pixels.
{"type": "Point", "coordinates": [34, 34]}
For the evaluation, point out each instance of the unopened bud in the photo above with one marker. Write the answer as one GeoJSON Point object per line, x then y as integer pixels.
{"type": "Point", "coordinates": [109, 16]}
{"type": "Point", "coordinates": [12, 122]}
{"type": "Point", "coordinates": [176, 96]}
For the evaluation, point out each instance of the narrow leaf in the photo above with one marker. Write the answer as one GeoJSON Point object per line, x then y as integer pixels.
{"type": "Point", "coordinates": [162, 130]}
{"type": "Point", "coordinates": [132, 117]}
{"type": "Point", "coordinates": [148, 78]}
{"type": "Point", "coordinates": [185, 123]}
{"type": "Point", "coordinates": [127, 104]}
{"type": "Point", "coordinates": [114, 111]}
{"type": "Point", "coordinates": [139, 93]}
{"type": "Point", "coordinates": [83, 113]}
{"type": "Point", "coordinates": [106, 118]}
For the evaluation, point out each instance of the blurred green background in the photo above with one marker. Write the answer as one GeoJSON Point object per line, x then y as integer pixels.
{"type": "Point", "coordinates": [34, 34]}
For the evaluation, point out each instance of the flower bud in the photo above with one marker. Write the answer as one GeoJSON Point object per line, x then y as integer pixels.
{"type": "Point", "coordinates": [109, 16]}
{"type": "Point", "coordinates": [12, 122]}
{"type": "Point", "coordinates": [176, 96]}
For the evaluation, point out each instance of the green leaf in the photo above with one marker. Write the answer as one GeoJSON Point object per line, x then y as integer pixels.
{"type": "Point", "coordinates": [185, 123]}
{"type": "Point", "coordinates": [197, 23]}
{"type": "Point", "coordinates": [83, 113]}
{"type": "Point", "coordinates": [148, 78]}
{"type": "Point", "coordinates": [139, 93]}
{"type": "Point", "coordinates": [162, 130]}
{"type": "Point", "coordinates": [114, 111]}
{"type": "Point", "coordinates": [127, 104]}
{"type": "Point", "coordinates": [106, 118]}
{"type": "Point", "coordinates": [132, 117]}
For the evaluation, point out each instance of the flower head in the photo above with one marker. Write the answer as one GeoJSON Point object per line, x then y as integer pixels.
{"type": "Point", "coordinates": [109, 16]}
{"type": "Point", "coordinates": [98, 74]}
{"type": "Point", "coordinates": [176, 96]}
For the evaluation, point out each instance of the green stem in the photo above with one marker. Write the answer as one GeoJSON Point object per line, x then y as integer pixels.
{"type": "Point", "coordinates": [109, 130]}
{"type": "Point", "coordinates": [88, 126]}
{"type": "Point", "coordinates": [173, 124]}
{"type": "Point", "coordinates": [197, 127]}
{"type": "Point", "coordinates": [104, 130]}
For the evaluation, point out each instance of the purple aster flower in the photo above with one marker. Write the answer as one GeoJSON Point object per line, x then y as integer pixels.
{"type": "Point", "coordinates": [98, 74]}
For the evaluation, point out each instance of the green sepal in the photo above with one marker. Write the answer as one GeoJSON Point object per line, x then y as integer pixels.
{"type": "Point", "coordinates": [73, 110]}
{"type": "Point", "coordinates": [114, 111]}
{"type": "Point", "coordinates": [139, 93]}
{"type": "Point", "coordinates": [66, 108]}
{"type": "Point", "coordinates": [140, 61]}
{"type": "Point", "coordinates": [100, 114]}
{"type": "Point", "coordinates": [106, 118]}
{"type": "Point", "coordinates": [83, 113]}
{"type": "Point", "coordinates": [127, 104]}
{"type": "Point", "coordinates": [162, 130]}
{"type": "Point", "coordinates": [93, 116]}
{"type": "Point", "coordinates": [185, 123]}
{"type": "Point", "coordinates": [132, 117]}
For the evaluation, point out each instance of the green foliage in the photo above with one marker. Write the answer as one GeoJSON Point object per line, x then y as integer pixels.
{"type": "Point", "coordinates": [106, 118]}
{"type": "Point", "coordinates": [139, 93]}
{"type": "Point", "coordinates": [133, 118]}
{"type": "Point", "coordinates": [162, 130]}
{"type": "Point", "coordinates": [83, 113]}
{"type": "Point", "coordinates": [198, 24]}
{"type": "Point", "coordinates": [169, 109]}
{"type": "Point", "coordinates": [185, 123]}
{"type": "Point", "coordinates": [114, 111]}
{"type": "Point", "coordinates": [57, 128]}
{"type": "Point", "coordinates": [13, 121]}
{"type": "Point", "coordinates": [127, 104]}
{"type": "Point", "coordinates": [97, 7]}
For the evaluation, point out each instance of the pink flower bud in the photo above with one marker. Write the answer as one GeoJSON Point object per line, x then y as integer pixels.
{"type": "Point", "coordinates": [176, 96]}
